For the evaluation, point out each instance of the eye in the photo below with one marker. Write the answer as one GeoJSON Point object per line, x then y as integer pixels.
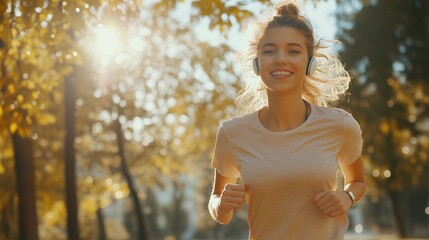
{"type": "Point", "coordinates": [294, 51]}
{"type": "Point", "coordinates": [267, 51]}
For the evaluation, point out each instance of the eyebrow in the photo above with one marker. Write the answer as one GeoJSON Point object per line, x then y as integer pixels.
{"type": "Point", "coordinates": [274, 45]}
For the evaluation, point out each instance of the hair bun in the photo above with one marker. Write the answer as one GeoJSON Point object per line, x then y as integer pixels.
{"type": "Point", "coordinates": [289, 10]}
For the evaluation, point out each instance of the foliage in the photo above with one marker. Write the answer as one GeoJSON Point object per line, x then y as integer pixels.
{"type": "Point", "coordinates": [390, 90]}
{"type": "Point", "coordinates": [173, 92]}
{"type": "Point", "coordinates": [389, 98]}
{"type": "Point", "coordinates": [222, 14]}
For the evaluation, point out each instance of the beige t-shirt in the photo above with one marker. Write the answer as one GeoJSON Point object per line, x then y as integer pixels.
{"type": "Point", "coordinates": [287, 169]}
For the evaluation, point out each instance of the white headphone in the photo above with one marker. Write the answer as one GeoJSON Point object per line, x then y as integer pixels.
{"type": "Point", "coordinates": [311, 66]}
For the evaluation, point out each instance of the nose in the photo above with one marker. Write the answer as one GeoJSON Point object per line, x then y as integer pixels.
{"type": "Point", "coordinates": [281, 58]}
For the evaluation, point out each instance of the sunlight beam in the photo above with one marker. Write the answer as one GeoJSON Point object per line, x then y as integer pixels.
{"type": "Point", "coordinates": [106, 44]}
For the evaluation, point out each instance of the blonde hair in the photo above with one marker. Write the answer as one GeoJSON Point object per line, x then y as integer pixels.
{"type": "Point", "coordinates": [326, 85]}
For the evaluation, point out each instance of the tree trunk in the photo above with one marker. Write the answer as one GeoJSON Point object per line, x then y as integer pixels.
{"type": "Point", "coordinates": [142, 230]}
{"type": "Point", "coordinates": [398, 216]}
{"type": "Point", "coordinates": [70, 160]}
{"type": "Point", "coordinates": [177, 204]}
{"type": "Point", "coordinates": [24, 170]}
{"type": "Point", "coordinates": [101, 227]}
{"type": "Point", "coordinates": [427, 20]}
{"type": "Point", "coordinates": [7, 219]}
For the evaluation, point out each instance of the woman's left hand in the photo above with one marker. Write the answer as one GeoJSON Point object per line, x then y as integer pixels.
{"type": "Point", "coordinates": [333, 203]}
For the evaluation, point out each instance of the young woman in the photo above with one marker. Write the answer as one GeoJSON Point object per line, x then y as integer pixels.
{"type": "Point", "coordinates": [289, 146]}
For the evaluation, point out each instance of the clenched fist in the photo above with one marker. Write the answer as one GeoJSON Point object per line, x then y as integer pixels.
{"type": "Point", "coordinates": [333, 203]}
{"type": "Point", "coordinates": [232, 198]}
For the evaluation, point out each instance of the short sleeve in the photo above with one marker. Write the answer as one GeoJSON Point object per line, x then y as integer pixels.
{"type": "Point", "coordinates": [223, 157]}
{"type": "Point", "coordinates": [351, 145]}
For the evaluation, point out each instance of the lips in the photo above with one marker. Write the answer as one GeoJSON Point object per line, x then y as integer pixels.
{"type": "Point", "coordinates": [281, 74]}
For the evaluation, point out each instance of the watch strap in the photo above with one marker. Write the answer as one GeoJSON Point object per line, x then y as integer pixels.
{"type": "Point", "coordinates": [351, 196]}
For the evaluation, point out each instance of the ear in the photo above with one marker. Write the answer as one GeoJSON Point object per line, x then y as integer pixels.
{"type": "Point", "coordinates": [255, 66]}
{"type": "Point", "coordinates": [311, 67]}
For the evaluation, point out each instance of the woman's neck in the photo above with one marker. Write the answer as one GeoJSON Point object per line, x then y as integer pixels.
{"type": "Point", "coordinates": [284, 112]}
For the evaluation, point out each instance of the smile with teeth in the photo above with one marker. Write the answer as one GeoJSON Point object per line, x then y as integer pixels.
{"type": "Point", "coordinates": [281, 73]}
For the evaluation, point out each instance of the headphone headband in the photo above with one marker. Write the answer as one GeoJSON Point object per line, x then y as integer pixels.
{"type": "Point", "coordinates": [311, 66]}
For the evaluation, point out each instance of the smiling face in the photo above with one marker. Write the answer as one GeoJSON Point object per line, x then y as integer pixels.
{"type": "Point", "coordinates": [283, 58]}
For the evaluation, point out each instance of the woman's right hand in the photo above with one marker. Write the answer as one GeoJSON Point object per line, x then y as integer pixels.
{"type": "Point", "coordinates": [232, 198]}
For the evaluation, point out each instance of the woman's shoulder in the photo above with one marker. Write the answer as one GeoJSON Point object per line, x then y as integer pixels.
{"type": "Point", "coordinates": [337, 118]}
{"type": "Point", "coordinates": [333, 112]}
{"type": "Point", "coordinates": [240, 121]}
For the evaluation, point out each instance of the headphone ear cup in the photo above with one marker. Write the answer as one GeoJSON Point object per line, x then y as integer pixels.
{"type": "Point", "coordinates": [311, 67]}
{"type": "Point", "coordinates": [255, 66]}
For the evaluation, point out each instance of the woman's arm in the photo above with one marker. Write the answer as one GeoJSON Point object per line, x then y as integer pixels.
{"type": "Point", "coordinates": [226, 197]}
{"type": "Point", "coordinates": [337, 203]}
{"type": "Point", "coordinates": [354, 179]}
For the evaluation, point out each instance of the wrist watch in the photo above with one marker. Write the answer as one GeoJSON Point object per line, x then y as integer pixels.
{"type": "Point", "coordinates": [351, 196]}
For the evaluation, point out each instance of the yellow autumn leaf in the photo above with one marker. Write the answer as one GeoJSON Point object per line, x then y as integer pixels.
{"type": "Point", "coordinates": [20, 98]}
{"type": "Point", "coordinates": [35, 94]}
{"type": "Point", "coordinates": [1, 111]}
{"type": "Point", "coordinates": [56, 214]}
{"type": "Point", "coordinates": [12, 52]}
{"type": "Point", "coordinates": [58, 96]}
{"type": "Point", "coordinates": [11, 89]}
{"type": "Point", "coordinates": [26, 106]}
{"type": "Point", "coordinates": [10, 63]}
{"type": "Point", "coordinates": [384, 127]}
{"type": "Point", "coordinates": [44, 86]}
{"type": "Point", "coordinates": [89, 204]}
{"type": "Point", "coordinates": [45, 118]}
{"type": "Point", "coordinates": [15, 43]}
{"type": "Point", "coordinates": [1, 169]}
{"type": "Point", "coordinates": [31, 85]}
{"type": "Point", "coordinates": [28, 120]}
{"type": "Point", "coordinates": [13, 127]}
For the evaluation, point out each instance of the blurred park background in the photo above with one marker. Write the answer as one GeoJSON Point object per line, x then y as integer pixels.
{"type": "Point", "coordinates": [109, 110]}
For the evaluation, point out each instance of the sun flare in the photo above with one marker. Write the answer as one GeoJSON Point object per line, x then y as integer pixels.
{"type": "Point", "coordinates": [107, 43]}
